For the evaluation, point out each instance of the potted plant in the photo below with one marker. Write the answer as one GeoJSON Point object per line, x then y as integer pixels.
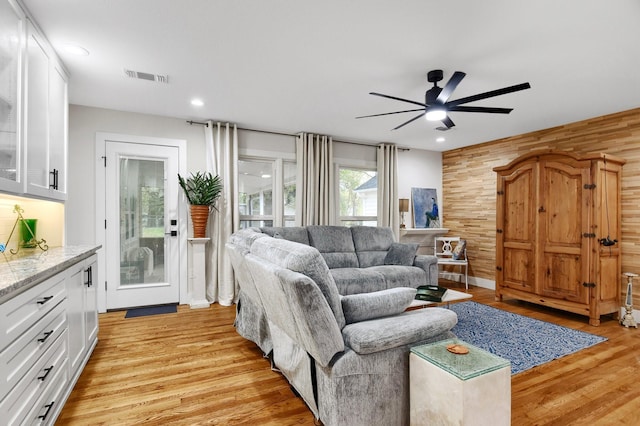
{"type": "Point", "coordinates": [202, 191]}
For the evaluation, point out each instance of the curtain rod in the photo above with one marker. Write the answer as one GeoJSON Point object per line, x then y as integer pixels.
{"type": "Point", "coordinates": [288, 134]}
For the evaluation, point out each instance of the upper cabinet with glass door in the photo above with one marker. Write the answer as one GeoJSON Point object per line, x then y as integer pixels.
{"type": "Point", "coordinates": [11, 58]}
{"type": "Point", "coordinates": [45, 137]}
{"type": "Point", "coordinates": [33, 109]}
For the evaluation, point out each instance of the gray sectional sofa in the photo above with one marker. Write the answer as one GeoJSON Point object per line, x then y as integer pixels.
{"type": "Point", "coordinates": [345, 354]}
{"type": "Point", "coordinates": [362, 259]}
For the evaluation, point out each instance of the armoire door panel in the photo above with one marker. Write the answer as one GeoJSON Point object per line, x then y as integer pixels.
{"type": "Point", "coordinates": [519, 197]}
{"type": "Point", "coordinates": [518, 229]}
{"type": "Point", "coordinates": [562, 277]}
{"type": "Point", "coordinates": [562, 224]}
{"type": "Point", "coordinates": [518, 269]}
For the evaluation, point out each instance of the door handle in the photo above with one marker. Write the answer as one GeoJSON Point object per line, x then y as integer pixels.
{"type": "Point", "coordinates": [172, 233]}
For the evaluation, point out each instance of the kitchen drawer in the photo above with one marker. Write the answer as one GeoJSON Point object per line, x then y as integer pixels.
{"type": "Point", "coordinates": [22, 399]}
{"type": "Point", "coordinates": [48, 406]}
{"type": "Point", "coordinates": [18, 314]}
{"type": "Point", "coordinates": [20, 356]}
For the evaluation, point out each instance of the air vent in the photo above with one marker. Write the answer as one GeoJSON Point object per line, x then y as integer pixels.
{"type": "Point", "coordinates": [147, 76]}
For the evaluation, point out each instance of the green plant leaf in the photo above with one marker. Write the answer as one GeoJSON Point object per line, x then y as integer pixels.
{"type": "Point", "coordinates": [201, 188]}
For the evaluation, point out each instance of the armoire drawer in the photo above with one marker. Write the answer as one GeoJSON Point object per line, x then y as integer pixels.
{"type": "Point", "coordinates": [20, 356]}
{"type": "Point", "coordinates": [18, 314]}
{"type": "Point", "coordinates": [21, 400]}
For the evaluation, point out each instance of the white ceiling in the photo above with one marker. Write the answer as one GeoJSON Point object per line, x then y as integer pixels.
{"type": "Point", "coordinates": [302, 65]}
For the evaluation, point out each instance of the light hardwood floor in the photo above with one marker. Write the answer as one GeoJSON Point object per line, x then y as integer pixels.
{"type": "Point", "coordinates": [192, 368]}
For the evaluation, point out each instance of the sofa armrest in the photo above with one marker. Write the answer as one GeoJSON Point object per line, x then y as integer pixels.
{"type": "Point", "coordinates": [404, 329]}
{"type": "Point", "coordinates": [430, 265]}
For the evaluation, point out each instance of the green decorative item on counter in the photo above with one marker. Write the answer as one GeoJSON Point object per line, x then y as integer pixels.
{"type": "Point", "coordinates": [28, 233]}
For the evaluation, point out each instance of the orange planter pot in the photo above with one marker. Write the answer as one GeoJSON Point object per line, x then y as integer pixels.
{"type": "Point", "coordinates": [199, 217]}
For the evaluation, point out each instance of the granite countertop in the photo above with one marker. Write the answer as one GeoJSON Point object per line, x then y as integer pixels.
{"type": "Point", "coordinates": [31, 266]}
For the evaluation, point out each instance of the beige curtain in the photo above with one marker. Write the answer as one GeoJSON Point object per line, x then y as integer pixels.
{"type": "Point", "coordinates": [388, 209]}
{"type": "Point", "coordinates": [221, 146]}
{"type": "Point", "coordinates": [314, 189]}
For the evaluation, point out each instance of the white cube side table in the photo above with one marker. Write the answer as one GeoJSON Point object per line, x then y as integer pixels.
{"type": "Point", "coordinates": [197, 273]}
{"type": "Point", "coordinates": [450, 389]}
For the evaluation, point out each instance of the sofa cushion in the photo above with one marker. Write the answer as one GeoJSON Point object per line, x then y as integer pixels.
{"type": "Point", "coordinates": [291, 233]}
{"type": "Point", "coordinates": [318, 330]}
{"type": "Point", "coordinates": [335, 243]}
{"type": "Point", "coordinates": [380, 334]}
{"type": "Point", "coordinates": [245, 237]}
{"type": "Point", "coordinates": [357, 280]}
{"type": "Point", "coordinates": [371, 244]}
{"type": "Point", "coordinates": [306, 260]}
{"type": "Point", "coordinates": [365, 306]}
{"type": "Point", "coordinates": [401, 276]}
{"type": "Point", "coordinates": [401, 254]}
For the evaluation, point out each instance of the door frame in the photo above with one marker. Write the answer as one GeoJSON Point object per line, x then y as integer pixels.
{"type": "Point", "coordinates": [100, 148]}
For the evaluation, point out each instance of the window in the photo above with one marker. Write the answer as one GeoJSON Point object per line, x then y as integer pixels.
{"type": "Point", "coordinates": [255, 200]}
{"type": "Point", "coordinates": [289, 193]}
{"type": "Point", "coordinates": [267, 192]}
{"type": "Point", "coordinates": [358, 197]}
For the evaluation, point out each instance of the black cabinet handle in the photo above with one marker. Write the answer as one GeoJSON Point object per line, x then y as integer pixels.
{"type": "Point", "coordinates": [53, 176]}
{"type": "Point", "coordinates": [89, 272]}
{"type": "Point", "coordinates": [46, 413]}
{"type": "Point", "coordinates": [47, 371]}
{"type": "Point", "coordinates": [46, 336]}
{"type": "Point", "coordinates": [44, 300]}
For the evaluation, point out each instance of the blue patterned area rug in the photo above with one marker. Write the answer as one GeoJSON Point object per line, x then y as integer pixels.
{"type": "Point", "coordinates": [526, 342]}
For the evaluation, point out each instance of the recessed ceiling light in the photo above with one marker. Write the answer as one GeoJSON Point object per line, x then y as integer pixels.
{"type": "Point", "coordinates": [265, 176]}
{"type": "Point", "coordinates": [440, 139]}
{"type": "Point", "coordinates": [74, 49]}
{"type": "Point", "coordinates": [197, 102]}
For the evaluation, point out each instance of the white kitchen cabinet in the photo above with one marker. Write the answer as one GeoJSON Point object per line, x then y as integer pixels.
{"type": "Point", "coordinates": [45, 136]}
{"type": "Point", "coordinates": [12, 21]}
{"type": "Point", "coordinates": [47, 334]}
{"type": "Point", "coordinates": [82, 313]}
{"type": "Point", "coordinates": [33, 109]}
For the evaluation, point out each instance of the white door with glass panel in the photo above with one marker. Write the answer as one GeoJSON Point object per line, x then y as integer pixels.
{"type": "Point", "coordinates": [142, 248]}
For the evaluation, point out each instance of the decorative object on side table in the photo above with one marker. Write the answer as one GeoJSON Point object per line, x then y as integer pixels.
{"type": "Point", "coordinates": [202, 191]}
{"type": "Point", "coordinates": [404, 207]}
{"type": "Point", "coordinates": [628, 320]}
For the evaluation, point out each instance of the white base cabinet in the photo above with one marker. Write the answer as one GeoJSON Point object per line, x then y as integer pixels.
{"type": "Point", "coordinates": [47, 334]}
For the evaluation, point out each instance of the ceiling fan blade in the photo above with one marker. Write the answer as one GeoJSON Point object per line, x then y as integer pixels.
{"type": "Point", "coordinates": [490, 94]}
{"type": "Point", "coordinates": [398, 99]}
{"type": "Point", "coordinates": [481, 109]}
{"type": "Point", "coordinates": [389, 113]}
{"type": "Point", "coordinates": [407, 122]}
{"type": "Point", "coordinates": [451, 85]}
{"type": "Point", "coordinates": [447, 122]}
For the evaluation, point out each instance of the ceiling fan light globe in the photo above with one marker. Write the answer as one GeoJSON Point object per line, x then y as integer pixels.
{"type": "Point", "coordinates": [436, 114]}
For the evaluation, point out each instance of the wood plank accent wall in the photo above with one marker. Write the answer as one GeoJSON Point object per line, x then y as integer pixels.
{"type": "Point", "coordinates": [469, 184]}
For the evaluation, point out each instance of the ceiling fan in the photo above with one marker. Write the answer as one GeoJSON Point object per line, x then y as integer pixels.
{"type": "Point", "coordinates": [437, 106]}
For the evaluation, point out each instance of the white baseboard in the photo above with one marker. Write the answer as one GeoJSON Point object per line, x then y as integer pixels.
{"type": "Point", "coordinates": [478, 282]}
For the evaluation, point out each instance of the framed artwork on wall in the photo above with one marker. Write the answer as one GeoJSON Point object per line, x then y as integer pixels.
{"type": "Point", "coordinates": [426, 213]}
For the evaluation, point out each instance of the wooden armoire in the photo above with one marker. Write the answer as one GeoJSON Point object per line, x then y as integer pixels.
{"type": "Point", "coordinates": [558, 219]}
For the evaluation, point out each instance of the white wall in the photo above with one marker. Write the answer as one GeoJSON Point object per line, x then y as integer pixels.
{"type": "Point", "coordinates": [84, 122]}
{"type": "Point", "coordinates": [417, 168]}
